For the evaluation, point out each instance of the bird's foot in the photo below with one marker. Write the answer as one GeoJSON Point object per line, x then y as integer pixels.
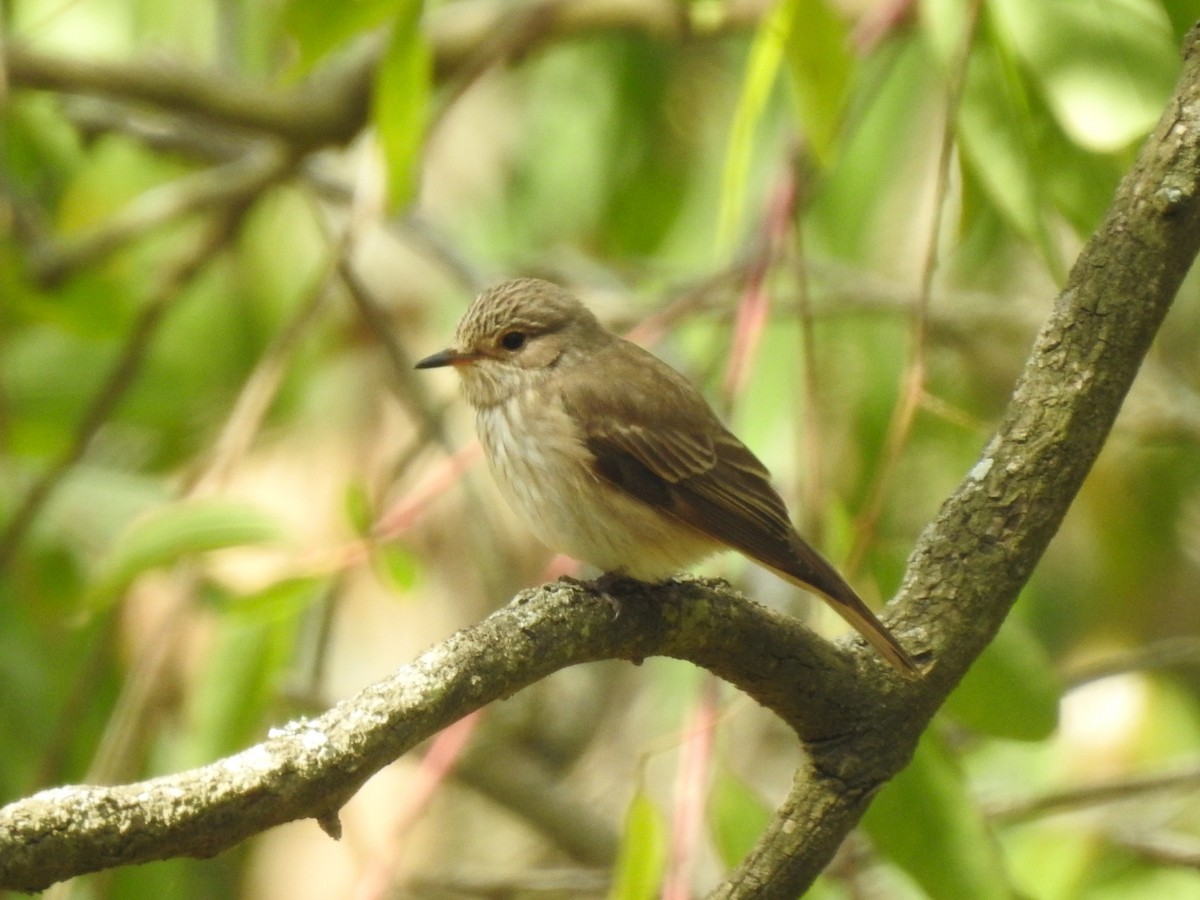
{"type": "Point", "coordinates": [608, 586]}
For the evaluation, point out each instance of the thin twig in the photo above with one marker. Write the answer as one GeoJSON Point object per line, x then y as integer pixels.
{"type": "Point", "coordinates": [1099, 793]}
{"type": "Point", "coordinates": [332, 106]}
{"type": "Point", "coordinates": [753, 310]}
{"type": "Point", "coordinates": [1165, 654]}
{"type": "Point", "coordinates": [1162, 848]}
{"type": "Point", "coordinates": [808, 435]}
{"type": "Point", "coordinates": [381, 871]}
{"type": "Point", "coordinates": [258, 393]}
{"type": "Point", "coordinates": [536, 792]}
{"type": "Point", "coordinates": [211, 188]}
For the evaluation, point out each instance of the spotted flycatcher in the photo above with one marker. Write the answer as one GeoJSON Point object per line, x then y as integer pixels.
{"type": "Point", "coordinates": [614, 458]}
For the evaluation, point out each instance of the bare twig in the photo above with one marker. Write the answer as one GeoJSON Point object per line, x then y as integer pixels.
{"type": "Point", "coordinates": [531, 789]}
{"type": "Point", "coordinates": [1163, 848]}
{"type": "Point", "coordinates": [222, 185]}
{"type": "Point", "coordinates": [1164, 654]}
{"type": "Point", "coordinates": [691, 793]}
{"type": "Point", "coordinates": [1112, 790]}
{"type": "Point", "coordinates": [466, 881]}
{"type": "Point", "coordinates": [329, 110]}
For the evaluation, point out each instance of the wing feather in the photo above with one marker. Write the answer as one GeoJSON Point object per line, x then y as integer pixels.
{"type": "Point", "coordinates": [670, 451]}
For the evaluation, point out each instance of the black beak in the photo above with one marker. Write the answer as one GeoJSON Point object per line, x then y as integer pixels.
{"type": "Point", "coordinates": [447, 357]}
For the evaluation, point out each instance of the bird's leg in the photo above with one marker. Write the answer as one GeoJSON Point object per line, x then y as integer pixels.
{"type": "Point", "coordinates": [607, 586]}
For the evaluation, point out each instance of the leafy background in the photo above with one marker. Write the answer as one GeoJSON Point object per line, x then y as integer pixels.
{"type": "Point", "coordinates": [226, 500]}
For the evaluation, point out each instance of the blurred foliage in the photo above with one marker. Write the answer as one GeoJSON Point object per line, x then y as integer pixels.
{"type": "Point", "coordinates": [202, 558]}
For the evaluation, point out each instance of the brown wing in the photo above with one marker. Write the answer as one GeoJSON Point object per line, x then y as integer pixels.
{"type": "Point", "coordinates": [658, 440]}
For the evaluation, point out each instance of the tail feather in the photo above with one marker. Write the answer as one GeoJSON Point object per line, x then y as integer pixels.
{"type": "Point", "coordinates": [813, 572]}
{"type": "Point", "coordinates": [860, 617]}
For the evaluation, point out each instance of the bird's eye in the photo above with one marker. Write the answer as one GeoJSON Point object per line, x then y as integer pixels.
{"type": "Point", "coordinates": [512, 340]}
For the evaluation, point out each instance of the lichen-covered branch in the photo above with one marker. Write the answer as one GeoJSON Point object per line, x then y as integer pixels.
{"type": "Point", "coordinates": [310, 768]}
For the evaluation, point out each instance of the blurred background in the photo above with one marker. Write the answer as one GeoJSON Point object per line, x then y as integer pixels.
{"type": "Point", "coordinates": [228, 227]}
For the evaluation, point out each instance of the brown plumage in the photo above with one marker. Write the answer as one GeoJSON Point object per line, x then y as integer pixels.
{"type": "Point", "coordinates": [615, 458]}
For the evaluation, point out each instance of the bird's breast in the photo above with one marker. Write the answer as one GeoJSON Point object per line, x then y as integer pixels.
{"type": "Point", "coordinates": [538, 458]}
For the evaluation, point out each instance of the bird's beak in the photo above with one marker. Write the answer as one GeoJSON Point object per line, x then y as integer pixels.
{"type": "Point", "coordinates": [448, 357]}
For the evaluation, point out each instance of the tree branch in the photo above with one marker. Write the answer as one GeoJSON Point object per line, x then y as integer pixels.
{"type": "Point", "coordinates": [859, 723]}
{"type": "Point", "coordinates": [311, 767]}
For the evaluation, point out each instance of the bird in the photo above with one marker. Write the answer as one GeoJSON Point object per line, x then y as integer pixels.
{"type": "Point", "coordinates": [616, 459]}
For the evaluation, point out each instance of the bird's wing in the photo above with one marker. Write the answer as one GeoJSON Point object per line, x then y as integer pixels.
{"type": "Point", "coordinates": [672, 452]}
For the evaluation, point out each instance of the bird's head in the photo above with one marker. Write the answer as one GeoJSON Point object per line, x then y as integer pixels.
{"type": "Point", "coordinates": [513, 334]}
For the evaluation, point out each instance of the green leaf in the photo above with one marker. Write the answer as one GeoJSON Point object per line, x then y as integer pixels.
{"type": "Point", "coordinates": [821, 66]}
{"type": "Point", "coordinates": [396, 565]}
{"type": "Point", "coordinates": [642, 857]}
{"type": "Point", "coordinates": [1106, 67]}
{"type": "Point", "coordinates": [996, 120]}
{"type": "Point", "coordinates": [943, 24]}
{"type": "Point", "coordinates": [356, 501]}
{"type": "Point", "coordinates": [996, 135]}
{"type": "Point", "coordinates": [281, 600]}
{"type": "Point", "coordinates": [1012, 690]}
{"type": "Point", "coordinates": [174, 532]}
{"type": "Point", "coordinates": [1079, 183]}
{"type": "Point", "coordinates": [738, 816]}
{"type": "Point", "coordinates": [318, 26]}
{"type": "Point", "coordinates": [926, 822]}
{"type": "Point", "coordinates": [647, 163]}
{"type": "Point", "coordinates": [762, 72]}
{"type": "Point", "coordinates": [401, 100]}
{"type": "Point", "coordinates": [845, 216]}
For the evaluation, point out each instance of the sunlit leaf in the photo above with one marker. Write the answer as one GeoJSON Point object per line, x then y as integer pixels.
{"type": "Point", "coordinates": [996, 134]}
{"type": "Point", "coordinates": [995, 122]}
{"type": "Point", "coordinates": [239, 683]}
{"type": "Point", "coordinates": [281, 600]}
{"type": "Point", "coordinates": [845, 215]}
{"type": "Point", "coordinates": [647, 162]}
{"type": "Point", "coordinates": [821, 65]}
{"type": "Point", "coordinates": [944, 25]}
{"type": "Point", "coordinates": [357, 504]}
{"type": "Point", "coordinates": [642, 856]}
{"type": "Point", "coordinates": [401, 98]}
{"type": "Point", "coordinates": [1106, 66]}
{"type": "Point", "coordinates": [762, 73]}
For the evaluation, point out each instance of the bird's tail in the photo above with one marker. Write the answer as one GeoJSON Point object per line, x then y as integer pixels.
{"type": "Point", "coordinates": [814, 573]}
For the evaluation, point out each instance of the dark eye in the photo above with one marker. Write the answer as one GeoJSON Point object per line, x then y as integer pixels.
{"type": "Point", "coordinates": [512, 340]}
